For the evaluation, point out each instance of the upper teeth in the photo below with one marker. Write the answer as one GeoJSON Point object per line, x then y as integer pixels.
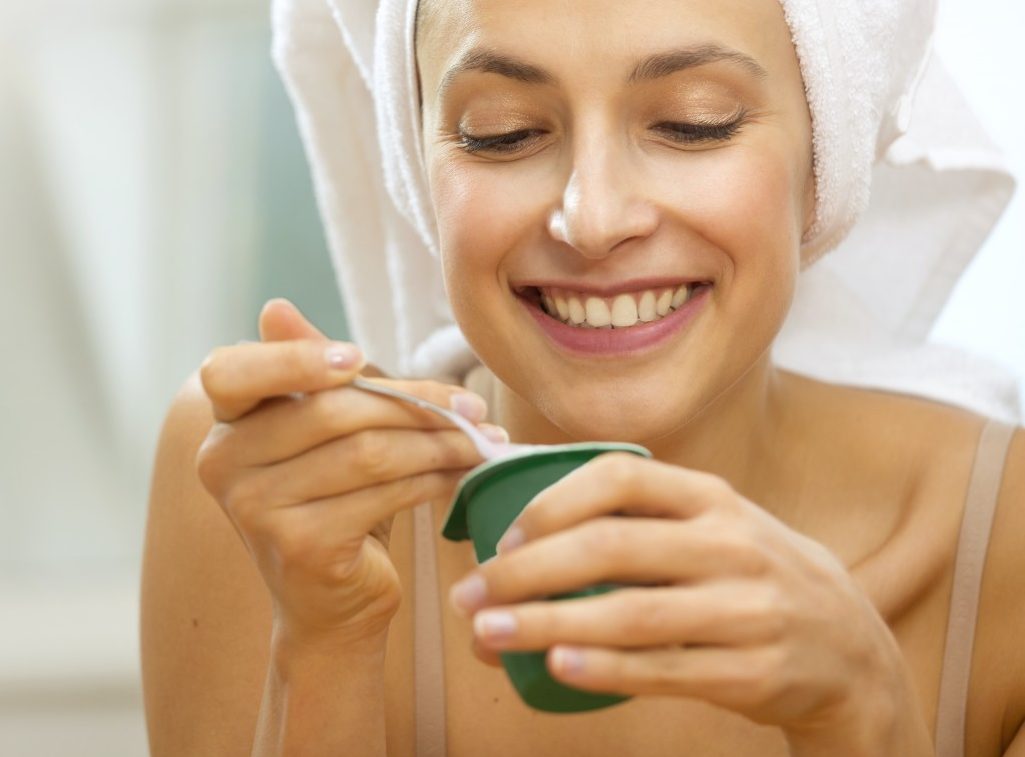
{"type": "Point", "coordinates": [621, 311]}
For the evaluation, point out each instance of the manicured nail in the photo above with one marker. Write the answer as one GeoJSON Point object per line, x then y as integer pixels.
{"type": "Point", "coordinates": [494, 625]}
{"type": "Point", "coordinates": [342, 356]}
{"type": "Point", "coordinates": [567, 660]}
{"type": "Point", "coordinates": [512, 538]}
{"type": "Point", "coordinates": [470, 406]}
{"type": "Point", "coordinates": [468, 594]}
{"type": "Point", "coordinates": [495, 434]}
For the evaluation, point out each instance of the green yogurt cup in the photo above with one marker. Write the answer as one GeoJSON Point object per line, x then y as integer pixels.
{"type": "Point", "coordinates": [486, 502]}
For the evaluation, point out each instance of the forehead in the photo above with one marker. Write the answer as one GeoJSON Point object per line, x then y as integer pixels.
{"type": "Point", "coordinates": [612, 33]}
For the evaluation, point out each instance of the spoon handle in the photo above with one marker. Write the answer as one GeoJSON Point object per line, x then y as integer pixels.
{"type": "Point", "coordinates": [484, 445]}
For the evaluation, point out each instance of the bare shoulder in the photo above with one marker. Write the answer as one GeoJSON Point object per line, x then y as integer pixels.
{"type": "Point", "coordinates": [940, 445]}
{"type": "Point", "coordinates": [926, 446]}
{"type": "Point", "coordinates": [888, 410]}
{"type": "Point", "coordinates": [205, 616]}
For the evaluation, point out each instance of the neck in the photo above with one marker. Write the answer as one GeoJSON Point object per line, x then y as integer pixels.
{"type": "Point", "coordinates": [742, 436]}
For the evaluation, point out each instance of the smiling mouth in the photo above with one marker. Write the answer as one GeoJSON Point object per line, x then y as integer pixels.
{"type": "Point", "coordinates": [589, 311]}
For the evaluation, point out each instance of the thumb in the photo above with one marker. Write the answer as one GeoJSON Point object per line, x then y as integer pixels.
{"type": "Point", "coordinates": [281, 321]}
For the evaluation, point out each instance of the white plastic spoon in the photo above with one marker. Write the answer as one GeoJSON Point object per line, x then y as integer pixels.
{"type": "Point", "coordinates": [488, 449]}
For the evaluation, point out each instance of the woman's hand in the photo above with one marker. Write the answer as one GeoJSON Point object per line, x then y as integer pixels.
{"type": "Point", "coordinates": [729, 605]}
{"type": "Point", "coordinates": [311, 472]}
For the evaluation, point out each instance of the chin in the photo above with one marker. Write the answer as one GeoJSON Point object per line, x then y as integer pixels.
{"type": "Point", "coordinates": [626, 416]}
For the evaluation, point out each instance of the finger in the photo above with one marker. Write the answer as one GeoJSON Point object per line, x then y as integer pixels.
{"type": "Point", "coordinates": [362, 460]}
{"type": "Point", "coordinates": [280, 321]}
{"type": "Point", "coordinates": [617, 483]}
{"type": "Point", "coordinates": [238, 377]}
{"type": "Point", "coordinates": [735, 679]}
{"type": "Point", "coordinates": [622, 550]}
{"type": "Point", "coordinates": [366, 508]}
{"type": "Point", "coordinates": [289, 426]}
{"type": "Point", "coordinates": [342, 518]}
{"type": "Point", "coordinates": [725, 613]}
{"type": "Point", "coordinates": [486, 655]}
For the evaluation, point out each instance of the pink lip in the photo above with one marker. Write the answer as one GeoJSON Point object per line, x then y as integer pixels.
{"type": "Point", "coordinates": [616, 342]}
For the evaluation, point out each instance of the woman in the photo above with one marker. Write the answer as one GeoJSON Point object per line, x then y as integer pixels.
{"type": "Point", "coordinates": [792, 545]}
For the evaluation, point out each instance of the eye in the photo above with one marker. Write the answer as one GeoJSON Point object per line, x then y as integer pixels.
{"type": "Point", "coordinates": [695, 133]}
{"type": "Point", "coordinates": [499, 143]}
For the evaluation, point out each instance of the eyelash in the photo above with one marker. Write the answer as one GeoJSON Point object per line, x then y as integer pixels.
{"type": "Point", "coordinates": [710, 132]}
{"type": "Point", "coordinates": [678, 132]}
{"type": "Point", "coordinates": [499, 143]}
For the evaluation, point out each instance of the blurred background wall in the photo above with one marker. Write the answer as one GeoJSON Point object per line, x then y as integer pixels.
{"type": "Point", "coordinates": [153, 194]}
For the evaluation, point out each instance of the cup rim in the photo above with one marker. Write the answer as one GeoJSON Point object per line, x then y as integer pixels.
{"type": "Point", "coordinates": [455, 528]}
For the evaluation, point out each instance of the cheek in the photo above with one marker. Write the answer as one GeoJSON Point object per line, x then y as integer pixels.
{"type": "Point", "coordinates": [742, 200]}
{"type": "Point", "coordinates": [482, 209]}
{"type": "Point", "coordinates": [746, 203]}
{"type": "Point", "coordinates": [483, 212]}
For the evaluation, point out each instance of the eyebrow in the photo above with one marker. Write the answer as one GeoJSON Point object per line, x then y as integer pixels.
{"type": "Point", "coordinates": [663, 64]}
{"type": "Point", "coordinates": [491, 62]}
{"type": "Point", "coordinates": [656, 66]}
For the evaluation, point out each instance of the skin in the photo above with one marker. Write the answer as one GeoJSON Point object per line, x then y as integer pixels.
{"type": "Point", "coordinates": [766, 534]}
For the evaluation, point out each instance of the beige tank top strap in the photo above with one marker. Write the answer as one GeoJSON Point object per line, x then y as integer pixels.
{"type": "Point", "coordinates": [428, 637]}
{"type": "Point", "coordinates": [976, 524]}
{"type": "Point", "coordinates": [428, 640]}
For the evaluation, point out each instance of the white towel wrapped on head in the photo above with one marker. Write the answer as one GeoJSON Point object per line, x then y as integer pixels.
{"type": "Point", "coordinates": [885, 115]}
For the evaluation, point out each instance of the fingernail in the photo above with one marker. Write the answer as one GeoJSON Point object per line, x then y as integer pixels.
{"type": "Point", "coordinates": [468, 594]}
{"type": "Point", "coordinates": [342, 356]}
{"type": "Point", "coordinates": [494, 624]}
{"type": "Point", "coordinates": [470, 406]}
{"type": "Point", "coordinates": [567, 660]}
{"type": "Point", "coordinates": [495, 434]}
{"type": "Point", "coordinates": [512, 538]}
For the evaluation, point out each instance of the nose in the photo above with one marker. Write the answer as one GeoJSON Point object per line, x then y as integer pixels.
{"type": "Point", "coordinates": [603, 203]}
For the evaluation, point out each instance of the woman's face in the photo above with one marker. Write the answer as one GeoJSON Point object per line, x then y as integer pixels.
{"type": "Point", "coordinates": [596, 157]}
